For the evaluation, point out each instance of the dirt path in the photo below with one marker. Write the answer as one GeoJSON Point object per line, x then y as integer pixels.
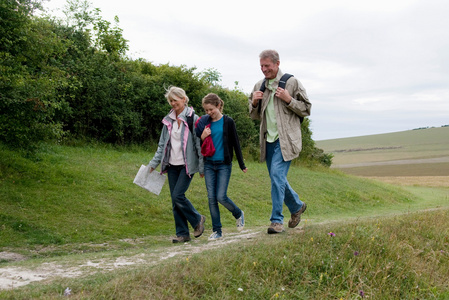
{"type": "Point", "coordinates": [17, 276]}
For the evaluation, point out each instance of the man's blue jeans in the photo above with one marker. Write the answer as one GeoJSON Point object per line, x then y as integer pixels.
{"type": "Point", "coordinates": [217, 175]}
{"type": "Point", "coordinates": [281, 191]}
{"type": "Point", "coordinates": [183, 210]}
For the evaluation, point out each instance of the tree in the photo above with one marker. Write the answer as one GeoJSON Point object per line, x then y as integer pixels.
{"type": "Point", "coordinates": [28, 77]}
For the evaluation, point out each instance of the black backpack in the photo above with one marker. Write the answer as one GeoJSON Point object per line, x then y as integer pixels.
{"type": "Point", "coordinates": [282, 83]}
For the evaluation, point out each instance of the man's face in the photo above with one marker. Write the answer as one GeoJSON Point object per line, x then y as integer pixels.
{"type": "Point", "coordinates": [269, 68]}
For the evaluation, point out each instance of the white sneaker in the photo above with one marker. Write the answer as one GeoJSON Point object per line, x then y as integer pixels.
{"type": "Point", "coordinates": [215, 236]}
{"type": "Point", "coordinates": [241, 222]}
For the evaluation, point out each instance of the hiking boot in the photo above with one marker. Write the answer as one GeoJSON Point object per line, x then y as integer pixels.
{"type": "Point", "coordinates": [181, 239]}
{"type": "Point", "coordinates": [199, 229]}
{"type": "Point", "coordinates": [241, 222]}
{"type": "Point", "coordinates": [296, 217]}
{"type": "Point", "coordinates": [275, 228]}
{"type": "Point", "coordinates": [215, 236]}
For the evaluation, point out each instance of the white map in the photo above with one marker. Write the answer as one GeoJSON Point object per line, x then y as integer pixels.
{"type": "Point", "coordinates": [152, 182]}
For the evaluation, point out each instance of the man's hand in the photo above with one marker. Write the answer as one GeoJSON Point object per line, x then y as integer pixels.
{"type": "Point", "coordinates": [284, 95]}
{"type": "Point", "coordinates": [256, 97]}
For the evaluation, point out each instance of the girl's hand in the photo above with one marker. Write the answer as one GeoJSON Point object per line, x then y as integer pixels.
{"type": "Point", "coordinates": [206, 133]}
{"type": "Point", "coordinates": [151, 170]}
{"type": "Point", "coordinates": [245, 170]}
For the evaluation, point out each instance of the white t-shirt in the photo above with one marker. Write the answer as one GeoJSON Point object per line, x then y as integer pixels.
{"type": "Point", "coordinates": [176, 156]}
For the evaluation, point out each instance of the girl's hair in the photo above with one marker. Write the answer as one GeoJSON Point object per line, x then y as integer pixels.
{"type": "Point", "coordinates": [273, 55]}
{"type": "Point", "coordinates": [214, 100]}
{"type": "Point", "coordinates": [174, 91]}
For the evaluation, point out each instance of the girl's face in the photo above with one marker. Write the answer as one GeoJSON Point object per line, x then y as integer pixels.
{"type": "Point", "coordinates": [178, 104]}
{"type": "Point", "coordinates": [213, 111]}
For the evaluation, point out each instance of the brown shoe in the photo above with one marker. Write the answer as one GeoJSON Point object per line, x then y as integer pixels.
{"type": "Point", "coordinates": [181, 239]}
{"type": "Point", "coordinates": [275, 228]}
{"type": "Point", "coordinates": [296, 217]}
{"type": "Point", "coordinates": [199, 229]}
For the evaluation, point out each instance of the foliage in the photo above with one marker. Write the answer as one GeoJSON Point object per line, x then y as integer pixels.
{"type": "Point", "coordinates": [310, 153]}
{"type": "Point", "coordinates": [71, 79]}
{"type": "Point", "coordinates": [28, 77]}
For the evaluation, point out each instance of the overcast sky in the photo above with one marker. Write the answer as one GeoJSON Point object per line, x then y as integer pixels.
{"type": "Point", "coordinates": [368, 67]}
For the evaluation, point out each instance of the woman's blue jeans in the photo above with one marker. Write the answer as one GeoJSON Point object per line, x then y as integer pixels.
{"type": "Point", "coordinates": [217, 175]}
{"type": "Point", "coordinates": [281, 191]}
{"type": "Point", "coordinates": [183, 210]}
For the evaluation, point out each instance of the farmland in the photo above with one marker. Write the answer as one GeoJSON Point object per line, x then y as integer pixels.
{"type": "Point", "coordinates": [408, 157]}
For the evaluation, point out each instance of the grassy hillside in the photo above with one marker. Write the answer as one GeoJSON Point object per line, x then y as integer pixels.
{"type": "Point", "coordinates": [423, 152]}
{"type": "Point", "coordinates": [358, 238]}
{"type": "Point", "coordinates": [86, 195]}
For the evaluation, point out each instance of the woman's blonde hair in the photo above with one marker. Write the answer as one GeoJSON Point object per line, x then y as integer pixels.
{"type": "Point", "coordinates": [174, 91]}
{"type": "Point", "coordinates": [214, 100]}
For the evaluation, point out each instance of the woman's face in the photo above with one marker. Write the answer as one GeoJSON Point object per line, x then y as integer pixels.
{"type": "Point", "coordinates": [178, 104]}
{"type": "Point", "coordinates": [213, 111]}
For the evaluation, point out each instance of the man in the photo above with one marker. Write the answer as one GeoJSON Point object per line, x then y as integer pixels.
{"type": "Point", "coordinates": [280, 135]}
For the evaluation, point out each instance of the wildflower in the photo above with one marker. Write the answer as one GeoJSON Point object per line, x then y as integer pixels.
{"type": "Point", "coordinates": [372, 238]}
{"type": "Point", "coordinates": [331, 234]}
{"type": "Point", "coordinates": [67, 292]}
{"type": "Point", "coordinates": [240, 289]}
{"type": "Point", "coordinates": [254, 263]}
{"type": "Point", "coordinates": [362, 293]}
{"type": "Point", "coordinates": [311, 239]}
{"type": "Point", "coordinates": [356, 253]}
{"type": "Point", "coordinates": [187, 259]}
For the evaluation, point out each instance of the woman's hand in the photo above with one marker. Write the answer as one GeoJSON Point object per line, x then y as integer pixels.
{"type": "Point", "coordinates": [151, 170]}
{"type": "Point", "coordinates": [245, 170]}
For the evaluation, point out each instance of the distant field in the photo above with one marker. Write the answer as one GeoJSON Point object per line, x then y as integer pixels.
{"type": "Point", "coordinates": [423, 152]}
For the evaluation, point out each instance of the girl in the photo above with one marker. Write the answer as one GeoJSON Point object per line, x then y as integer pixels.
{"type": "Point", "coordinates": [218, 167]}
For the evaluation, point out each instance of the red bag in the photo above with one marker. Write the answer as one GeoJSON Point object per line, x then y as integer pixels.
{"type": "Point", "coordinates": [208, 148]}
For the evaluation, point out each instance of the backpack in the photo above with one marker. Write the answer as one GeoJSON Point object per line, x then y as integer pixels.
{"type": "Point", "coordinates": [282, 83]}
{"type": "Point", "coordinates": [190, 122]}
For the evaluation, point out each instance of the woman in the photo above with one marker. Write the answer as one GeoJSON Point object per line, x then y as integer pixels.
{"type": "Point", "coordinates": [218, 167]}
{"type": "Point", "coordinates": [178, 153]}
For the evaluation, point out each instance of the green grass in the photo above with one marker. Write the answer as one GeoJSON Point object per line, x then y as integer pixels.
{"type": "Point", "coordinates": [411, 144]}
{"type": "Point", "coordinates": [72, 202]}
{"type": "Point", "coordinates": [85, 194]}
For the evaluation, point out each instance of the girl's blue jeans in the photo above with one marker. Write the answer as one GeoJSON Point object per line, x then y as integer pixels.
{"type": "Point", "coordinates": [217, 175]}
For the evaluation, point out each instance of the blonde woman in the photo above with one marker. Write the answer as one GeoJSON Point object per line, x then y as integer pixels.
{"type": "Point", "coordinates": [179, 153]}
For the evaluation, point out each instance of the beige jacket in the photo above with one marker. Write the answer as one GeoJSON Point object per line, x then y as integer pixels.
{"type": "Point", "coordinates": [287, 117]}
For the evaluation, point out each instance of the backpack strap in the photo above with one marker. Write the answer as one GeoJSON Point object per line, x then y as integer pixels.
{"type": "Point", "coordinates": [190, 122]}
{"type": "Point", "coordinates": [282, 83]}
{"type": "Point", "coordinates": [189, 119]}
{"type": "Point", "coordinates": [283, 80]}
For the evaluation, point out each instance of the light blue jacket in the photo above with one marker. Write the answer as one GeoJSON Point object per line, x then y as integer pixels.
{"type": "Point", "coordinates": [190, 143]}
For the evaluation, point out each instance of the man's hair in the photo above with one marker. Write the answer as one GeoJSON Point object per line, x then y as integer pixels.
{"type": "Point", "coordinates": [273, 55]}
{"type": "Point", "coordinates": [214, 100]}
{"type": "Point", "coordinates": [176, 91]}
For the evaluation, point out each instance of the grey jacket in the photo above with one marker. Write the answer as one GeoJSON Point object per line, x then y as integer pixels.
{"type": "Point", "coordinates": [287, 117]}
{"type": "Point", "coordinates": [190, 143]}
